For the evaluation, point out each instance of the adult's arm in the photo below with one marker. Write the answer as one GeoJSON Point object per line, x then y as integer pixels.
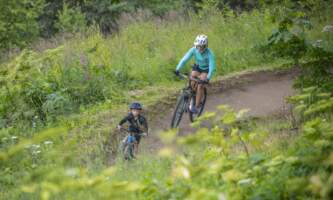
{"type": "Point", "coordinates": [185, 59]}
{"type": "Point", "coordinates": [212, 66]}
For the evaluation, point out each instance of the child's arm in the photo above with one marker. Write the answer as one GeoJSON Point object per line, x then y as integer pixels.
{"type": "Point", "coordinates": [124, 120]}
{"type": "Point", "coordinates": [145, 125]}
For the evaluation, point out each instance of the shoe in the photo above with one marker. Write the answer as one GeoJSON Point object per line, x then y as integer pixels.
{"type": "Point", "coordinates": [194, 110]}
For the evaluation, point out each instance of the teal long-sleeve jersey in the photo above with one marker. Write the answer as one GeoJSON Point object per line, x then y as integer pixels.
{"type": "Point", "coordinates": [205, 60]}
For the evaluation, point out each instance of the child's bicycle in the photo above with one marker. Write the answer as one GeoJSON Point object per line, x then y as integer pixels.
{"type": "Point", "coordinates": [127, 145]}
{"type": "Point", "coordinates": [186, 98]}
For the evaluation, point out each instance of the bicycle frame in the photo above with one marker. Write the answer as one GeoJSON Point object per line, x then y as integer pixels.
{"type": "Point", "coordinates": [188, 93]}
{"type": "Point", "coordinates": [128, 148]}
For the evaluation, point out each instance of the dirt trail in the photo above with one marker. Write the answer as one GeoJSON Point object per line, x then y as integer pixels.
{"type": "Point", "coordinates": [262, 92]}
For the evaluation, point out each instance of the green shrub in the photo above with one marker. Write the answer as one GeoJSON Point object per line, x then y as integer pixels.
{"type": "Point", "coordinates": [18, 23]}
{"type": "Point", "coordinates": [71, 20]}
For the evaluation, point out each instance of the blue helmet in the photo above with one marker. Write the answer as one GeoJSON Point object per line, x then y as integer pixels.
{"type": "Point", "coordinates": [136, 106]}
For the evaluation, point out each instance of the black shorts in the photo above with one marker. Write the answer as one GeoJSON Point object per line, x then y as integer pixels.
{"type": "Point", "coordinates": [137, 137]}
{"type": "Point", "coordinates": [196, 68]}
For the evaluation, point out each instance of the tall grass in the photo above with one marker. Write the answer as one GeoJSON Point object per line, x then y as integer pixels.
{"type": "Point", "coordinates": [94, 69]}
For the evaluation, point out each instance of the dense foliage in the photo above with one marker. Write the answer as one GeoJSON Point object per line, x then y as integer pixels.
{"type": "Point", "coordinates": [291, 40]}
{"type": "Point", "coordinates": [23, 21]}
{"type": "Point", "coordinates": [18, 22]}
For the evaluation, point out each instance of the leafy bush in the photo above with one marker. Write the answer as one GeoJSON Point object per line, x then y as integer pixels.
{"type": "Point", "coordinates": [71, 20]}
{"type": "Point", "coordinates": [18, 22]}
{"type": "Point", "coordinates": [312, 102]}
{"type": "Point", "coordinates": [290, 40]}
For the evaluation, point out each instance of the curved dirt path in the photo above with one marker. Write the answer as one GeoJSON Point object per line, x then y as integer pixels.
{"type": "Point", "coordinates": [262, 92]}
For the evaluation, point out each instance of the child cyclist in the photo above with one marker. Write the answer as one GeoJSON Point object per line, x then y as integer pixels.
{"type": "Point", "coordinates": [138, 125]}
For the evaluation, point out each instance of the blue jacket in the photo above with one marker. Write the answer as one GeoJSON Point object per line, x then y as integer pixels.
{"type": "Point", "coordinates": [205, 60]}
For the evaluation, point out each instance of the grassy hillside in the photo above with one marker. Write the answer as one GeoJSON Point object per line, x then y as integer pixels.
{"type": "Point", "coordinates": [58, 109]}
{"type": "Point", "coordinates": [39, 87]}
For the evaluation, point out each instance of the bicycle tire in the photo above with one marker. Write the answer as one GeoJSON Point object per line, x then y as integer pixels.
{"type": "Point", "coordinates": [203, 102]}
{"type": "Point", "coordinates": [129, 152]}
{"type": "Point", "coordinates": [178, 113]}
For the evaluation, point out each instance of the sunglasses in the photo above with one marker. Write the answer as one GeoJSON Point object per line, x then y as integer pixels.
{"type": "Point", "coordinates": [200, 46]}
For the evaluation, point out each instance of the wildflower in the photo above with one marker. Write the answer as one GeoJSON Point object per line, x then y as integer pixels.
{"type": "Point", "coordinates": [71, 172]}
{"type": "Point", "coordinates": [35, 146]}
{"type": "Point", "coordinates": [222, 196]}
{"type": "Point", "coordinates": [83, 60]}
{"type": "Point", "coordinates": [48, 142]}
{"type": "Point", "coordinates": [245, 181]}
{"type": "Point", "coordinates": [327, 28]}
{"type": "Point", "coordinates": [317, 43]}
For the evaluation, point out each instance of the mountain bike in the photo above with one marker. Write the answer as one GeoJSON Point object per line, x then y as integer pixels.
{"type": "Point", "coordinates": [187, 98]}
{"type": "Point", "coordinates": [126, 147]}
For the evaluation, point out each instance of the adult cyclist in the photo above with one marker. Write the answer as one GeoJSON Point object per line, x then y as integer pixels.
{"type": "Point", "coordinates": [203, 68]}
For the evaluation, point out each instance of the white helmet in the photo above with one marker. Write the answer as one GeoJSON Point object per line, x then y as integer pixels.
{"type": "Point", "coordinates": [201, 40]}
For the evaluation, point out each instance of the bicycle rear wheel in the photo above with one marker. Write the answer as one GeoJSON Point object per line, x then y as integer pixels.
{"type": "Point", "coordinates": [180, 108]}
{"type": "Point", "coordinates": [202, 106]}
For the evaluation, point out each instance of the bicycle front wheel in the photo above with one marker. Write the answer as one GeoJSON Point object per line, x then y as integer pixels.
{"type": "Point", "coordinates": [129, 152]}
{"type": "Point", "coordinates": [180, 108]}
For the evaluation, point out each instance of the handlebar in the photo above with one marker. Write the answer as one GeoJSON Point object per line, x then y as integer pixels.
{"type": "Point", "coordinates": [186, 76]}
{"type": "Point", "coordinates": [125, 130]}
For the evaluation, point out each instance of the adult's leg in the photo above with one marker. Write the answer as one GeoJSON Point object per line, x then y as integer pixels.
{"type": "Point", "coordinates": [200, 89]}
{"type": "Point", "coordinates": [194, 74]}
